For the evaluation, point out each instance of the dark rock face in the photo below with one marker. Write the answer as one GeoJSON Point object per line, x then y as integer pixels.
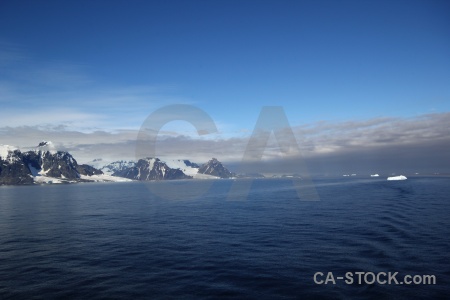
{"type": "Point", "coordinates": [151, 169]}
{"type": "Point", "coordinates": [60, 164]}
{"type": "Point", "coordinates": [88, 170]}
{"type": "Point", "coordinates": [19, 168]}
{"type": "Point", "coordinates": [190, 164]}
{"type": "Point", "coordinates": [117, 167]}
{"type": "Point", "coordinates": [215, 168]}
{"type": "Point", "coordinates": [22, 167]}
{"type": "Point", "coordinates": [13, 170]}
{"type": "Point", "coordinates": [43, 143]}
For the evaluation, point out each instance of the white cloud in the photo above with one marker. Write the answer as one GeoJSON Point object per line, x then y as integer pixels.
{"type": "Point", "coordinates": [347, 144]}
{"type": "Point", "coordinates": [57, 101]}
{"type": "Point", "coordinates": [323, 136]}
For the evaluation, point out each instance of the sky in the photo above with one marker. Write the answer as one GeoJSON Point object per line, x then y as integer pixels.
{"type": "Point", "coordinates": [365, 85]}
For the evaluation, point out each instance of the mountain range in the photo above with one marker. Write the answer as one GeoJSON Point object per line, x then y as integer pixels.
{"type": "Point", "coordinates": [44, 164]}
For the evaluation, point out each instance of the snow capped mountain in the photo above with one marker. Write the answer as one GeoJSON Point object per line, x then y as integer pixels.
{"type": "Point", "coordinates": [46, 146]}
{"type": "Point", "coordinates": [117, 167]}
{"type": "Point", "coordinates": [88, 170]}
{"type": "Point", "coordinates": [151, 169]}
{"type": "Point", "coordinates": [42, 165]}
{"type": "Point", "coordinates": [55, 164]}
{"type": "Point", "coordinates": [13, 169]}
{"type": "Point", "coordinates": [7, 153]}
{"type": "Point", "coordinates": [215, 168]}
{"type": "Point", "coordinates": [45, 160]}
{"type": "Point", "coordinates": [45, 164]}
{"type": "Point", "coordinates": [189, 168]}
{"type": "Point", "coordinates": [160, 169]}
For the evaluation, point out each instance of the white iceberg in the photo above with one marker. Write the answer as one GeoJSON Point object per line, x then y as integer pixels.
{"type": "Point", "coordinates": [374, 175]}
{"type": "Point", "coordinates": [401, 177]}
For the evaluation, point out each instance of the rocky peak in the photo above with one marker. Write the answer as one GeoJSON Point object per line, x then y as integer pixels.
{"type": "Point", "coordinates": [116, 167]}
{"type": "Point", "coordinates": [18, 167]}
{"type": "Point", "coordinates": [190, 164]}
{"type": "Point", "coordinates": [46, 146]}
{"type": "Point", "coordinates": [215, 168]}
{"type": "Point", "coordinates": [151, 169]}
{"type": "Point", "coordinates": [88, 170]}
{"type": "Point", "coordinates": [57, 164]}
{"type": "Point", "coordinates": [13, 169]}
{"type": "Point", "coordinates": [9, 153]}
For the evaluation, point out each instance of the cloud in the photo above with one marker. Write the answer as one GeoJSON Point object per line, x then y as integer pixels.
{"type": "Point", "coordinates": [346, 136]}
{"type": "Point", "coordinates": [376, 145]}
{"type": "Point", "coordinates": [48, 117]}
{"type": "Point", "coordinates": [84, 146]}
{"type": "Point", "coordinates": [58, 101]}
{"type": "Point", "coordinates": [51, 90]}
{"type": "Point", "coordinates": [19, 69]}
{"type": "Point", "coordinates": [55, 74]}
{"type": "Point", "coordinates": [104, 107]}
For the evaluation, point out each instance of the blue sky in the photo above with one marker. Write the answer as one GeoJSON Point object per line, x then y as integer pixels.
{"type": "Point", "coordinates": [106, 65]}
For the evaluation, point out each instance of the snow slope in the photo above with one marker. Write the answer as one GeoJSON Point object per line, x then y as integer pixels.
{"type": "Point", "coordinates": [182, 165]}
{"type": "Point", "coordinates": [104, 178]}
{"type": "Point", "coordinates": [187, 168]}
{"type": "Point", "coordinates": [6, 152]}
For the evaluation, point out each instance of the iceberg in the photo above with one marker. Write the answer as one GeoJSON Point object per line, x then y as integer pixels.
{"type": "Point", "coordinates": [401, 177]}
{"type": "Point", "coordinates": [374, 175]}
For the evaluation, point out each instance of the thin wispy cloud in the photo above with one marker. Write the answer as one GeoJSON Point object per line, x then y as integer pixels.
{"type": "Point", "coordinates": [51, 117]}
{"type": "Point", "coordinates": [59, 75]}
{"type": "Point", "coordinates": [62, 92]}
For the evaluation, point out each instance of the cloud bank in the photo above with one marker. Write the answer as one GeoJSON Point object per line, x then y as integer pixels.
{"type": "Point", "coordinates": [382, 145]}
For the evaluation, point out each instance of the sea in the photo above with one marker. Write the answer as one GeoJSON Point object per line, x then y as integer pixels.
{"type": "Point", "coordinates": [122, 241]}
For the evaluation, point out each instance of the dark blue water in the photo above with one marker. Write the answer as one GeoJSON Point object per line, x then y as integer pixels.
{"type": "Point", "coordinates": [90, 241]}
